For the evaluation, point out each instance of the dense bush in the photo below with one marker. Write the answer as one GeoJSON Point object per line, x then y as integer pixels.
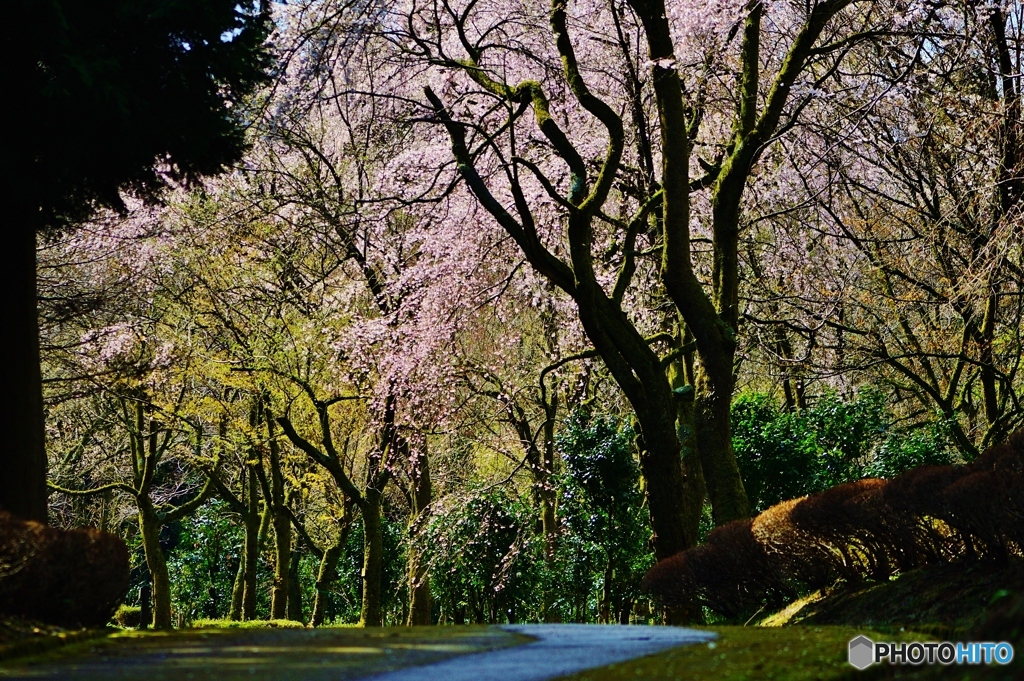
{"type": "Point", "coordinates": [66, 577]}
{"type": "Point", "coordinates": [487, 557]}
{"type": "Point", "coordinates": [786, 454]}
{"type": "Point", "coordinates": [900, 452]}
{"type": "Point", "coordinates": [603, 547]}
{"type": "Point", "coordinates": [204, 562]}
{"type": "Point", "coordinates": [871, 529]}
{"type": "Point", "coordinates": [128, 616]}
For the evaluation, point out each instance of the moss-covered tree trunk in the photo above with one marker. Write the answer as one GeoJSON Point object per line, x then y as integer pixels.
{"type": "Point", "coordinates": [237, 588]}
{"type": "Point", "coordinates": [371, 612]}
{"type": "Point", "coordinates": [325, 576]}
{"type": "Point", "coordinates": [282, 567]}
{"type": "Point", "coordinates": [156, 561]}
{"type": "Point", "coordinates": [713, 430]}
{"type": "Point", "coordinates": [282, 529]}
{"type": "Point", "coordinates": [255, 529]}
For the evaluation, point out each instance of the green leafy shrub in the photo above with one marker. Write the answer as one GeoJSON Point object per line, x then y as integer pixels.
{"type": "Point", "coordinates": [204, 561]}
{"type": "Point", "coordinates": [128, 616]}
{"type": "Point", "coordinates": [484, 558]}
{"type": "Point", "coordinates": [787, 454]}
{"type": "Point", "coordinates": [777, 452]}
{"type": "Point", "coordinates": [900, 452]}
{"type": "Point", "coordinates": [604, 543]}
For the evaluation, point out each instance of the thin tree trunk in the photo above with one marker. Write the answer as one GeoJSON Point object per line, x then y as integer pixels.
{"type": "Point", "coordinates": [546, 491]}
{"type": "Point", "coordinates": [149, 527]}
{"type": "Point", "coordinates": [282, 566]}
{"type": "Point", "coordinates": [282, 528]}
{"type": "Point", "coordinates": [420, 599]}
{"type": "Point", "coordinates": [255, 530]}
{"type": "Point", "coordinates": [325, 576]}
{"type": "Point", "coordinates": [23, 484]}
{"type": "Point", "coordinates": [294, 587]}
{"type": "Point", "coordinates": [235, 614]}
{"type": "Point", "coordinates": [371, 614]}
{"type": "Point", "coordinates": [146, 604]}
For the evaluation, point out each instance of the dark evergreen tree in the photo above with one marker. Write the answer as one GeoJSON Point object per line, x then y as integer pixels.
{"type": "Point", "coordinates": [103, 97]}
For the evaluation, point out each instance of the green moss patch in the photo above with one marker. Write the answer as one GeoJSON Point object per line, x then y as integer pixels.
{"type": "Point", "coordinates": [248, 624]}
{"type": "Point", "coordinates": [21, 638]}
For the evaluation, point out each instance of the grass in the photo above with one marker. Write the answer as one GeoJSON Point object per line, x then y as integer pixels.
{"type": "Point", "coordinates": [249, 624]}
{"type": "Point", "coordinates": [745, 654]}
{"type": "Point", "coordinates": [234, 653]}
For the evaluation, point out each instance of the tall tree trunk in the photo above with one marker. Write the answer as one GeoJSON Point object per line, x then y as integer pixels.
{"type": "Point", "coordinates": [149, 527]}
{"type": "Point", "coordinates": [282, 565]}
{"type": "Point", "coordinates": [659, 447]}
{"type": "Point", "coordinates": [681, 375]}
{"type": "Point", "coordinates": [713, 430]}
{"type": "Point", "coordinates": [548, 497]}
{"type": "Point", "coordinates": [255, 529]}
{"type": "Point", "coordinates": [371, 614]}
{"type": "Point", "coordinates": [546, 490]}
{"type": "Point", "coordinates": [682, 379]}
{"type": "Point", "coordinates": [23, 484]}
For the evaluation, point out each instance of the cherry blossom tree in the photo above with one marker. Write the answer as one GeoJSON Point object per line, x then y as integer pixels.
{"type": "Point", "coordinates": [908, 214]}
{"type": "Point", "coordinates": [601, 205]}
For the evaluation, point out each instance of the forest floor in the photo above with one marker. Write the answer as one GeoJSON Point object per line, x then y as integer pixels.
{"type": "Point", "coordinates": [606, 653]}
{"type": "Point", "coordinates": [20, 637]}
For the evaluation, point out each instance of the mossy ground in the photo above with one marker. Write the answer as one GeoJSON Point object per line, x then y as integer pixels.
{"type": "Point", "coordinates": [745, 654]}
{"type": "Point", "coordinates": [226, 654]}
{"type": "Point", "coordinates": [945, 600]}
{"type": "Point", "coordinates": [20, 637]}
